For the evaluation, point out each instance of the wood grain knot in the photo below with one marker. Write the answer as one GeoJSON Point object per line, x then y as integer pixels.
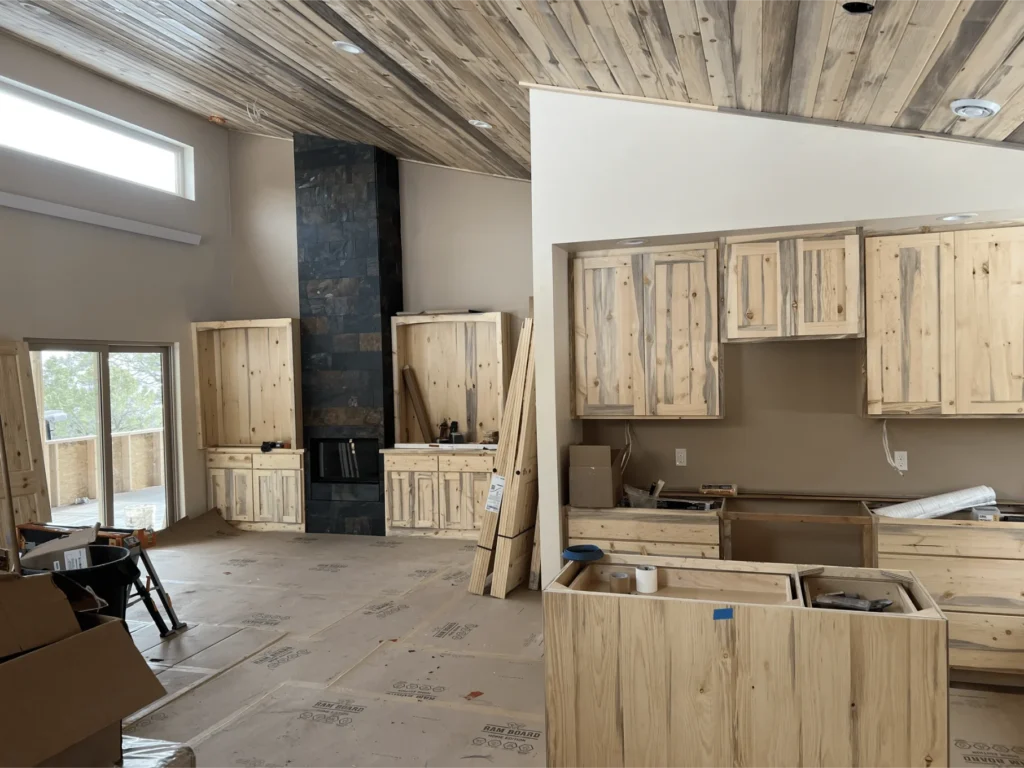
{"type": "Point", "coordinates": [839, 309]}
{"type": "Point", "coordinates": [750, 315]}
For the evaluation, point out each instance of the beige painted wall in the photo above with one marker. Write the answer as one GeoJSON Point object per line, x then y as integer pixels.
{"type": "Point", "coordinates": [465, 241]}
{"type": "Point", "coordinates": [791, 423]}
{"type": "Point", "coordinates": [265, 267]}
{"type": "Point", "coordinates": [65, 280]}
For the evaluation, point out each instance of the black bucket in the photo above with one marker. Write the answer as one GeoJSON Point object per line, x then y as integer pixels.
{"type": "Point", "coordinates": [110, 576]}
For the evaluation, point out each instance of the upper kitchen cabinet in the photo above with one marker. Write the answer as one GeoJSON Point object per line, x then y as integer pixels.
{"type": "Point", "coordinates": [646, 333]}
{"type": "Point", "coordinates": [989, 286]}
{"type": "Point", "coordinates": [794, 288]}
{"type": "Point", "coordinates": [911, 348]}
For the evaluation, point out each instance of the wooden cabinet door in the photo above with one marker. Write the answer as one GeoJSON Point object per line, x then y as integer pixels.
{"type": "Point", "coordinates": [400, 499]}
{"type": "Point", "coordinates": [268, 495]}
{"type": "Point", "coordinates": [461, 499]}
{"type": "Point", "coordinates": [475, 487]}
{"type": "Point", "coordinates": [425, 491]}
{"type": "Point", "coordinates": [755, 291]}
{"type": "Point", "coordinates": [449, 497]}
{"type": "Point", "coordinates": [291, 495]}
{"type": "Point", "coordinates": [608, 333]}
{"type": "Point", "coordinates": [990, 321]}
{"type": "Point", "coordinates": [218, 491]}
{"type": "Point", "coordinates": [911, 344]}
{"type": "Point", "coordinates": [829, 299]}
{"type": "Point", "coordinates": [242, 501]}
{"type": "Point", "coordinates": [681, 340]}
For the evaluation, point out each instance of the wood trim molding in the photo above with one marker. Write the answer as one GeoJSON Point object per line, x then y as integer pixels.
{"type": "Point", "coordinates": [34, 205]}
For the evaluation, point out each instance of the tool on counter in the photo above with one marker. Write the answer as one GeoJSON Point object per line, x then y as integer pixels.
{"type": "Point", "coordinates": [843, 602]}
{"type": "Point", "coordinates": [987, 513]}
{"type": "Point", "coordinates": [719, 489]}
{"type": "Point", "coordinates": [267, 446]}
{"type": "Point", "coordinates": [619, 582]}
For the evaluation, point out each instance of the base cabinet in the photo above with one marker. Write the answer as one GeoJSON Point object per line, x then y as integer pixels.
{"type": "Point", "coordinates": [249, 487]}
{"type": "Point", "coordinates": [436, 493]}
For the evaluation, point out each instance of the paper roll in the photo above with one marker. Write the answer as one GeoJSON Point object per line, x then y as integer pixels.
{"type": "Point", "coordinates": [937, 506]}
{"type": "Point", "coordinates": [620, 583]}
{"type": "Point", "coordinates": [646, 579]}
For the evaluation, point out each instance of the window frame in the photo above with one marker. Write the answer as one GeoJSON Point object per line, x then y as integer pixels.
{"type": "Point", "coordinates": [183, 153]}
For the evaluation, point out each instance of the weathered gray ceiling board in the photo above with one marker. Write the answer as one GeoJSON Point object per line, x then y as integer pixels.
{"type": "Point", "coordinates": [428, 67]}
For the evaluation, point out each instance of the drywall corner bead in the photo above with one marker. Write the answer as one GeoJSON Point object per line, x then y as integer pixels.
{"type": "Point", "coordinates": [34, 205]}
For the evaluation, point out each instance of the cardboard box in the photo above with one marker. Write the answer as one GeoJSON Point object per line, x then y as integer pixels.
{"type": "Point", "coordinates": [595, 476]}
{"type": "Point", "coordinates": [64, 554]}
{"type": "Point", "coordinates": [985, 728]}
{"type": "Point", "coordinates": [72, 693]}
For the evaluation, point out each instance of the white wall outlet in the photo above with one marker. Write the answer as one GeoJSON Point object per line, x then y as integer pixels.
{"type": "Point", "coordinates": [680, 457]}
{"type": "Point", "coordinates": [900, 457]}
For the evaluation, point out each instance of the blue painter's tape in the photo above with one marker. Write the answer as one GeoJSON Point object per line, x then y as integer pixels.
{"type": "Point", "coordinates": [722, 613]}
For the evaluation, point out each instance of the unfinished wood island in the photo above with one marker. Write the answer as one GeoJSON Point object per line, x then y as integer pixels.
{"type": "Point", "coordinates": [728, 665]}
{"type": "Point", "coordinates": [975, 572]}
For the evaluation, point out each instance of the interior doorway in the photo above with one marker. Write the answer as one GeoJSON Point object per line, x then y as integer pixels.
{"type": "Point", "coordinates": [106, 419]}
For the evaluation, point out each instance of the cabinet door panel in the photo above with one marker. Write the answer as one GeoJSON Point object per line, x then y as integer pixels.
{"type": "Point", "coordinates": [449, 499]}
{"type": "Point", "coordinates": [990, 321]}
{"type": "Point", "coordinates": [608, 335]}
{"type": "Point", "coordinates": [291, 495]}
{"type": "Point", "coordinates": [424, 512]}
{"type": "Point", "coordinates": [242, 505]}
{"type": "Point", "coordinates": [268, 495]}
{"type": "Point", "coordinates": [475, 487]}
{"type": "Point", "coordinates": [400, 503]}
{"type": "Point", "coordinates": [754, 288]}
{"type": "Point", "coordinates": [911, 344]}
{"type": "Point", "coordinates": [681, 317]}
{"type": "Point", "coordinates": [218, 491]}
{"type": "Point", "coordinates": [829, 285]}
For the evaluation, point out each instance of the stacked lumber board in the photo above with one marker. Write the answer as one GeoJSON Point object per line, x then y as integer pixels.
{"type": "Point", "coordinates": [505, 545]}
{"type": "Point", "coordinates": [624, 530]}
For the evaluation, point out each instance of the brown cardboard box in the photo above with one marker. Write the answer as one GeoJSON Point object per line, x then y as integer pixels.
{"type": "Point", "coordinates": [985, 728]}
{"type": "Point", "coordinates": [102, 748]}
{"type": "Point", "coordinates": [75, 689]}
{"type": "Point", "coordinates": [595, 476]}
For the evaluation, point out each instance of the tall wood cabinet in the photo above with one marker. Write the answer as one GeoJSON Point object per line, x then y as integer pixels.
{"type": "Point", "coordinates": [945, 324]}
{"type": "Point", "coordinates": [247, 393]}
{"type": "Point", "coordinates": [646, 340]}
{"type": "Point", "coordinates": [792, 288]}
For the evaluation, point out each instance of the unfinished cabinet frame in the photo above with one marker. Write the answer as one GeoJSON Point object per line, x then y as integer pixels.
{"type": "Point", "coordinates": [462, 365]}
{"type": "Point", "coordinates": [255, 490]}
{"type": "Point", "coordinates": [248, 389]}
{"type": "Point", "coordinates": [798, 287]}
{"type": "Point", "coordinates": [728, 664]}
{"type": "Point", "coordinates": [646, 333]}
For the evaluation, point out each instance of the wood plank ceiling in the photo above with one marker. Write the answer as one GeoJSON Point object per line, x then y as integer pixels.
{"type": "Point", "coordinates": [428, 67]}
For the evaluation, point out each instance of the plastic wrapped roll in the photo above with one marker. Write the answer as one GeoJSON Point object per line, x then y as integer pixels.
{"type": "Point", "coordinates": [943, 504]}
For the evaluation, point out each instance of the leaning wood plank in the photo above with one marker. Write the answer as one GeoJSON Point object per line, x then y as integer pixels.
{"type": "Point", "coordinates": [26, 473]}
{"type": "Point", "coordinates": [8, 525]}
{"type": "Point", "coordinates": [419, 408]}
{"type": "Point", "coordinates": [535, 561]}
{"type": "Point", "coordinates": [507, 444]}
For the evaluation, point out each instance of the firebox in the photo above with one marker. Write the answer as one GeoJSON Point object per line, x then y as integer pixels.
{"type": "Point", "coordinates": [344, 460]}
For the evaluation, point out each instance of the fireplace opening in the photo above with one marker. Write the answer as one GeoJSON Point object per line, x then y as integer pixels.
{"type": "Point", "coordinates": [344, 460]}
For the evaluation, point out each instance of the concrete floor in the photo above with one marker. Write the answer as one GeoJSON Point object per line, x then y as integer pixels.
{"type": "Point", "coordinates": [89, 513]}
{"type": "Point", "coordinates": [322, 650]}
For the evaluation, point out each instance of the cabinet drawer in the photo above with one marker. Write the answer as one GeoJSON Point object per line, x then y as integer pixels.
{"type": "Point", "coordinates": [228, 460]}
{"type": "Point", "coordinates": [955, 538]}
{"type": "Point", "coordinates": [274, 460]}
{"type": "Point", "coordinates": [399, 463]}
{"type": "Point", "coordinates": [466, 463]}
{"type": "Point", "coordinates": [966, 583]}
{"type": "Point", "coordinates": [986, 641]}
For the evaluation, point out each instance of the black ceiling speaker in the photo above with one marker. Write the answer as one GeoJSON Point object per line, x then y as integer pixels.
{"type": "Point", "coordinates": [858, 7]}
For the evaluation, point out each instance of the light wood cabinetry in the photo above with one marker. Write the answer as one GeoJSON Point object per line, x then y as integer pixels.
{"type": "Point", "coordinates": [646, 338]}
{"type": "Point", "coordinates": [973, 570]}
{"type": "Point", "coordinates": [247, 393]}
{"type": "Point", "coordinates": [436, 493]}
{"type": "Point", "coordinates": [794, 288]}
{"type": "Point", "coordinates": [945, 324]}
{"type": "Point", "coordinates": [623, 530]}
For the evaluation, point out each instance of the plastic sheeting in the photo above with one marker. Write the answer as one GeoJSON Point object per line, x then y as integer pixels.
{"type": "Point", "coordinates": [943, 504]}
{"type": "Point", "coordinates": [152, 753]}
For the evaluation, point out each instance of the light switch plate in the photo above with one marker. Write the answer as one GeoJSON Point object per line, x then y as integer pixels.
{"type": "Point", "coordinates": [680, 457]}
{"type": "Point", "coordinates": [900, 457]}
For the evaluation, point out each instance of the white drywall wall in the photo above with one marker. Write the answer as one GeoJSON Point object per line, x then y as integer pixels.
{"type": "Point", "coordinates": [609, 169]}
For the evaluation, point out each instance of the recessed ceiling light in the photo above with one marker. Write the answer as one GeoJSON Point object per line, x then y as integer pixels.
{"type": "Point", "coordinates": [974, 108]}
{"type": "Point", "coordinates": [346, 47]}
{"type": "Point", "coordinates": [959, 217]}
{"type": "Point", "coordinates": [480, 124]}
{"type": "Point", "coordinates": [855, 7]}
{"type": "Point", "coordinates": [631, 242]}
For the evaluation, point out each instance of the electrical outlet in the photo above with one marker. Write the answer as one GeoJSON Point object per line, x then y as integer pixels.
{"type": "Point", "coordinates": [680, 457]}
{"type": "Point", "coordinates": [900, 457]}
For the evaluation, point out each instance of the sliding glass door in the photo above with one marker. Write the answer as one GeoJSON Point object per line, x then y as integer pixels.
{"type": "Point", "coordinates": [105, 418]}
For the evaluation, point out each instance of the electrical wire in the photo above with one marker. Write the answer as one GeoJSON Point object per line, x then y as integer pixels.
{"type": "Point", "coordinates": [885, 446]}
{"type": "Point", "coordinates": [628, 451]}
